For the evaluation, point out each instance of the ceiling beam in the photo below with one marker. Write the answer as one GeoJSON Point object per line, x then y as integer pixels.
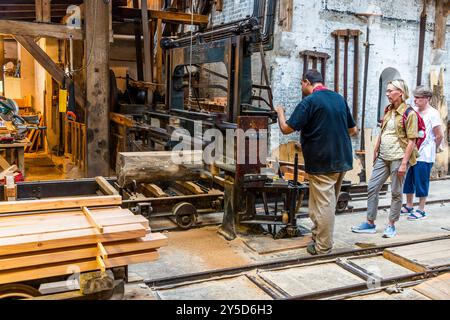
{"type": "Point", "coordinates": [47, 63]}
{"type": "Point", "coordinates": [166, 16]}
{"type": "Point", "coordinates": [35, 29]}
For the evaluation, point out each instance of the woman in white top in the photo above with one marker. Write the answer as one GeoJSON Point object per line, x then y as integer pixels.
{"type": "Point", "coordinates": [418, 177]}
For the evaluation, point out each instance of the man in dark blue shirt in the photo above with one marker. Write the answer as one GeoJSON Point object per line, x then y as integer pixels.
{"type": "Point", "coordinates": [325, 124]}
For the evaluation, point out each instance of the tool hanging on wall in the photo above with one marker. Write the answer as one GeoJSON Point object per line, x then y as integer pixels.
{"type": "Point", "coordinates": [347, 35]}
{"type": "Point", "coordinates": [313, 57]}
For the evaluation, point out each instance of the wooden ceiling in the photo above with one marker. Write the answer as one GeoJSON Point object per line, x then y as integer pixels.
{"type": "Point", "coordinates": [24, 10]}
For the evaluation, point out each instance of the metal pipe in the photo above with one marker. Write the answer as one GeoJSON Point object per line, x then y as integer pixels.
{"type": "Point", "coordinates": [423, 22]}
{"type": "Point", "coordinates": [366, 68]}
{"type": "Point", "coordinates": [346, 39]}
{"type": "Point", "coordinates": [356, 78]}
{"type": "Point", "coordinates": [336, 63]}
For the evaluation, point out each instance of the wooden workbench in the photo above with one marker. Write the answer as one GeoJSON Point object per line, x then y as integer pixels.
{"type": "Point", "coordinates": [13, 148]}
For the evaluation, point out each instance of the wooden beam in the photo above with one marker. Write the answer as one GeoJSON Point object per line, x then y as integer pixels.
{"type": "Point", "coordinates": [43, 30]}
{"type": "Point", "coordinates": [92, 220]}
{"type": "Point", "coordinates": [166, 16]}
{"type": "Point", "coordinates": [2, 62]}
{"type": "Point", "coordinates": [148, 65]}
{"type": "Point", "coordinates": [106, 187]}
{"type": "Point", "coordinates": [45, 271]}
{"type": "Point", "coordinates": [440, 19]}
{"type": "Point", "coordinates": [58, 203]}
{"type": "Point", "coordinates": [48, 64]}
{"type": "Point", "coordinates": [97, 87]}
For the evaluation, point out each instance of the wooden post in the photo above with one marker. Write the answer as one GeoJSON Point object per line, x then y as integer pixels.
{"type": "Point", "coordinates": [440, 17]}
{"type": "Point", "coordinates": [39, 15]}
{"type": "Point", "coordinates": [285, 14]}
{"type": "Point", "coordinates": [46, 10]}
{"type": "Point", "coordinates": [2, 62]}
{"type": "Point", "coordinates": [148, 66]}
{"type": "Point", "coordinates": [97, 87]}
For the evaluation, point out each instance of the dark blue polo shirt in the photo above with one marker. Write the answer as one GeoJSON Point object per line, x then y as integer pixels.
{"type": "Point", "coordinates": [323, 119]}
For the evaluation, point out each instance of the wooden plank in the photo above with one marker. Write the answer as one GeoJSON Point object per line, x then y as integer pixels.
{"type": "Point", "coordinates": [74, 223]}
{"type": "Point", "coordinates": [39, 30]}
{"type": "Point", "coordinates": [166, 16]}
{"type": "Point", "coordinates": [437, 288]}
{"type": "Point", "coordinates": [91, 219]}
{"type": "Point", "coordinates": [46, 271]}
{"type": "Point", "coordinates": [100, 263]}
{"type": "Point", "coordinates": [8, 171]}
{"type": "Point", "coordinates": [70, 238]}
{"type": "Point", "coordinates": [422, 256]}
{"type": "Point", "coordinates": [151, 241]}
{"type": "Point", "coordinates": [59, 203]}
{"type": "Point", "coordinates": [102, 251]}
{"type": "Point", "coordinates": [105, 186]}
{"type": "Point", "coordinates": [7, 220]}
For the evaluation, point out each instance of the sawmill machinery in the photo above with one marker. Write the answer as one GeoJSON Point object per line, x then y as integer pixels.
{"type": "Point", "coordinates": [209, 82]}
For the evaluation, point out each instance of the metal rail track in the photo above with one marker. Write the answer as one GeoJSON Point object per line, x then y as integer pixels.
{"type": "Point", "coordinates": [276, 292]}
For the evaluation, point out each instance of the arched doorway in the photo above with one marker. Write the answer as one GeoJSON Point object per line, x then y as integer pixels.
{"type": "Point", "coordinates": [387, 75]}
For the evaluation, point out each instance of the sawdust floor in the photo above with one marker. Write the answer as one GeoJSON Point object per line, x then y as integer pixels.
{"type": "Point", "coordinates": [193, 251]}
{"type": "Point", "coordinates": [204, 249]}
{"type": "Point", "coordinates": [42, 166]}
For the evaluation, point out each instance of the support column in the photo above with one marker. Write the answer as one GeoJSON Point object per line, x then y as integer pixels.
{"type": "Point", "coordinates": [2, 62]}
{"type": "Point", "coordinates": [97, 87]}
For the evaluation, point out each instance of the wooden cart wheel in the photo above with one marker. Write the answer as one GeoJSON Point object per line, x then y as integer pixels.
{"type": "Point", "coordinates": [16, 291]}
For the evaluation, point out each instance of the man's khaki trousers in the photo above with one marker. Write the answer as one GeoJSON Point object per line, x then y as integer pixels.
{"type": "Point", "coordinates": [323, 192]}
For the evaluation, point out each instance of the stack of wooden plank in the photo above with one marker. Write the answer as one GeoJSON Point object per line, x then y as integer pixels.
{"type": "Point", "coordinates": [35, 136]}
{"type": "Point", "coordinates": [92, 233]}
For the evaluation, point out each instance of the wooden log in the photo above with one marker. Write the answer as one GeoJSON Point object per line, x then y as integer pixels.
{"type": "Point", "coordinates": [58, 203]}
{"type": "Point", "coordinates": [158, 166]}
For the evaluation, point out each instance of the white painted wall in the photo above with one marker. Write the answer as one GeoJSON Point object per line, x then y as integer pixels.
{"type": "Point", "coordinates": [394, 38]}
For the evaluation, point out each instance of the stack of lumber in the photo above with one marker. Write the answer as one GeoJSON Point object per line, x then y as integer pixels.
{"type": "Point", "coordinates": [35, 136]}
{"type": "Point", "coordinates": [92, 233]}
